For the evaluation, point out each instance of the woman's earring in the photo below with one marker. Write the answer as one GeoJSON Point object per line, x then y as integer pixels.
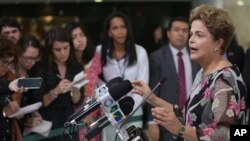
{"type": "Point", "coordinates": [216, 50]}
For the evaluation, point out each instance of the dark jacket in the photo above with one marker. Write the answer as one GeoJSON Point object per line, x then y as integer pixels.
{"type": "Point", "coordinates": [5, 122]}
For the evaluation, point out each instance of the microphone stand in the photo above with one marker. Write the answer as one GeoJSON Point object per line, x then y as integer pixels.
{"type": "Point", "coordinates": [122, 132]}
{"type": "Point", "coordinates": [143, 102]}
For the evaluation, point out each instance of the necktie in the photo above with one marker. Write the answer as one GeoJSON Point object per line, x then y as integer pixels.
{"type": "Point", "coordinates": [181, 80]}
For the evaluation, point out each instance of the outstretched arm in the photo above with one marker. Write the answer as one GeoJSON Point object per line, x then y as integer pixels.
{"type": "Point", "coordinates": [143, 89]}
{"type": "Point", "coordinates": [163, 113]}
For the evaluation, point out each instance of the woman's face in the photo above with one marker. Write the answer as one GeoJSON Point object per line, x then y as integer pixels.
{"type": "Point", "coordinates": [118, 31]}
{"type": "Point", "coordinates": [29, 58]}
{"type": "Point", "coordinates": [79, 39]}
{"type": "Point", "coordinates": [6, 64]}
{"type": "Point", "coordinates": [61, 51]}
{"type": "Point", "coordinates": [157, 33]}
{"type": "Point", "coordinates": [201, 42]}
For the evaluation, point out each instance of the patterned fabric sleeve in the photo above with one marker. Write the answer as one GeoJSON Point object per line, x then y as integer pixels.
{"type": "Point", "coordinates": [218, 129]}
{"type": "Point", "coordinates": [93, 72]}
{"type": "Point", "coordinates": [227, 106]}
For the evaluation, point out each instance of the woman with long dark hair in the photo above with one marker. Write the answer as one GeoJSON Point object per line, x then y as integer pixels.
{"type": "Point", "coordinates": [86, 54]}
{"type": "Point", "coordinates": [57, 69]}
{"type": "Point", "coordinates": [122, 57]}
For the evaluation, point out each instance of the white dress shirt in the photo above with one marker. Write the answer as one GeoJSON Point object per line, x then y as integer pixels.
{"type": "Point", "coordinates": [187, 65]}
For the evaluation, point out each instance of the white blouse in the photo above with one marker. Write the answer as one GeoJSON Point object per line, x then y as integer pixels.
{"type": "Point", "coordinates": [137, 71]}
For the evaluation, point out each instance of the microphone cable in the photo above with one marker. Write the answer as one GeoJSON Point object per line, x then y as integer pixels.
{"type": "Point", "coordinates": [67, 132]}
{"type": "Point", "coordinates": [70, 128]}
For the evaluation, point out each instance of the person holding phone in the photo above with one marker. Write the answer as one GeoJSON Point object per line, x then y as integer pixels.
{"type": "Point", "coordinates": [8, 85]}
{"type": "Point", "coordinates": [57, 69]}
{"type": "Point", "coordinates": [28, 53]}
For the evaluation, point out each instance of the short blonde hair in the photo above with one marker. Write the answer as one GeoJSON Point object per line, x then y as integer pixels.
{"type": "Point", "coordinates": [217, 21]}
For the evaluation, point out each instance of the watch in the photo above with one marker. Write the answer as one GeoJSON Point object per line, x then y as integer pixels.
{"type": "Point", "coordinates": [181, 130]}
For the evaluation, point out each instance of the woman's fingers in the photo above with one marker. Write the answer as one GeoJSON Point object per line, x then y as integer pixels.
{"type": "Point", "coordinates": [22, 89]}
{"type": "Point", "coordinates": [140, 87]}
{"type": "Point", "coordinates": [158, 113]}
{"type": "Point", "coordinates": [137, 87]}
{"type": "Point", "coordinates": [162, 123]}
{"type": "Point", "coordinates": [137, 82]}
{"type": "Point", "coordinates": [162, 114]}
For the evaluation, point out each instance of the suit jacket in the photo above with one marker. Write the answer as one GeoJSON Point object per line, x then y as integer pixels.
{"type": "Point", "coordinates": [10, 129]}
{"type": "Point", "coordinates": [246, 76]}
{"type": "Point", "coordinates": [162, 66]}
{"type": "Point", "coordinates": [235, 54]}
{"type": "Point", "coordinates": [4, 86]}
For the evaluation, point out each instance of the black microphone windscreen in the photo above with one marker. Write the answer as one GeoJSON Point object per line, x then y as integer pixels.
{"type": "Point", "coordinates": [126, 105]}
{"type": "Point", "coordinates": [114, 82]}
{"type": "Point", "coordinates": [120, 89]}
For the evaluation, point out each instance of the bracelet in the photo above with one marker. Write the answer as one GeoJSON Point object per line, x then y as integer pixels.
{"type": "Point", "coordinates": [51, 93]}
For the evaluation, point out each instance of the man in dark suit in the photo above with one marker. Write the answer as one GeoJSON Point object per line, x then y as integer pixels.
{"type": "Point", "coordinates": [164, 64]}
{"type": "Point", "coordinates": [235, 54]}
{"type": "Point", "coordinates": [246, 77]}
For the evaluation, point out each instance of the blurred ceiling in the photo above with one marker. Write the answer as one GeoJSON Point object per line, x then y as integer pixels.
{"type": "Point", "coordinates": [236, 2]}
{"type": "Point", "coordinates": [78, 1]}
{"type": "Point", "coordinates": [225, 2]}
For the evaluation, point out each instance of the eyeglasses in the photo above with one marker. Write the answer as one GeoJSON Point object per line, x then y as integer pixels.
{"type": "Point", "coordinates": [30, 59]}
{"type": "Point", "coordinates": [6, 63]}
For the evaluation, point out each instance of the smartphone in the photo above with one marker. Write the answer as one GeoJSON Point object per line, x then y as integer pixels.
{"type": "Point", "coordinates": [30, 83]}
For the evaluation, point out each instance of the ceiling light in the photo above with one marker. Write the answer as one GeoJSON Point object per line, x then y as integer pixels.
{"type": "Point", "coordinates": [97, 0]}
{"type": "Point", "coordinates": [240, 2]}
{"type": "Point", "coordinates": [48, 19]}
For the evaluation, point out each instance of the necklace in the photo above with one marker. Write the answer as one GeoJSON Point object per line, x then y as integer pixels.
{"type": "Point", "coordinates": [122, 64]}
{"type": "Point", "coordinates": [119, 56]}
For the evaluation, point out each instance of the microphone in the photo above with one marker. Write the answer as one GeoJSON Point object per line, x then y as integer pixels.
{"type": "Point", "coordinates": [110, 106]}
{"type": "Point", "coordinates": [129, 134]}
{"type": "Point", "coordinates": [136, 134]}
{"type": "Point", "coordinates": [114, 82]}
{"type": "Point", "coordinates": [126, 105]}
{"type": "Point", "coordinates": [103, 96]}
{"type": "Point", "coordinates": [143, 101]}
